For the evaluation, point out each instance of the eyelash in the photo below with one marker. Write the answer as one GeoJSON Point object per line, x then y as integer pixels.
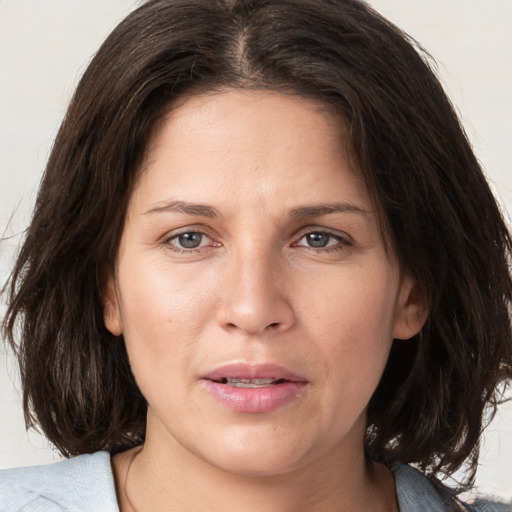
{"type": "Point", "coordinates": [343, 241]}
{"type": "Point", "coordinates": [168, 241]}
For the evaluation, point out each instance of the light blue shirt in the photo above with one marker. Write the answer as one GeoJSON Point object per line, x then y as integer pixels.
{"type": "Point", "coordinates": [86, 484]}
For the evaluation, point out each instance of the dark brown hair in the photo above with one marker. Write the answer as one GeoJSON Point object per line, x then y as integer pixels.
{"type": "Point", "coordinates": [435, 206]}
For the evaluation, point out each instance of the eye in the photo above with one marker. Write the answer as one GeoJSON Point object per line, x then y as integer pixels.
{"type": "Point", "coordinates": [318, 239]}
{"type": "Point", "coordinates": [189, 240]}
{"type": "Point", "coordinates": [322, 240]}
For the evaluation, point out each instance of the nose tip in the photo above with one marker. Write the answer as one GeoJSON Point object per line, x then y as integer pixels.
{"type": "Point", "coordinates": [252, 326]}
{"type": "Point", "coordinates": [254, 301]}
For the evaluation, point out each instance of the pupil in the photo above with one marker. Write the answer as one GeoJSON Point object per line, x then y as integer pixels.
{"type": "Point", "coordinates": [318, 239]}
{"type": "Point", "coordinates": [190, 240]}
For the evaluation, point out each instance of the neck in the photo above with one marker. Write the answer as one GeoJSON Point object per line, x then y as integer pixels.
{"type": "Point", "coordinates": [171, 478]}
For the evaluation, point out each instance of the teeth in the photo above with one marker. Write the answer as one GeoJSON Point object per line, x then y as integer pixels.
{"type": "Point", "coordinates": [249, 383]}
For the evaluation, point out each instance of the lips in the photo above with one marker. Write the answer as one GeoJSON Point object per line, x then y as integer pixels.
{"type": "Point", "coordinates": [265, 371]}
{"type": "Point", "coordinates": [254, 388]}
{"type": "Point", "coordinates": [251, 383]}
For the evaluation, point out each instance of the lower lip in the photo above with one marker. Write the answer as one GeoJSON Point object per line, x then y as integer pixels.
{"type": "Point", "coordinates": [255, 400]}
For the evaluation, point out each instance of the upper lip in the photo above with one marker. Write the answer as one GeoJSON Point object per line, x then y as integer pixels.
{"type": "Point", "coordinates": [253, 371]}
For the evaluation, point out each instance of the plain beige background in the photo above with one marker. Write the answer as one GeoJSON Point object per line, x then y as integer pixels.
{"type": "Point", "coordinates": [46, 44]}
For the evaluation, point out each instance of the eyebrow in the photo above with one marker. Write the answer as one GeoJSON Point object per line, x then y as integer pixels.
{"type": "Point", "coordinates": [202, 210]}
{"type": "Point", "coordinates": [300, 212]}
{"type": "Point", "coordinates": [316, 210]}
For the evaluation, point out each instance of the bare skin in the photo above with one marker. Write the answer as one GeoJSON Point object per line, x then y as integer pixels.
{"type": "Point", "coordinates": [256, 495]}
{"type": "Point", "coordinates": [250, 240]}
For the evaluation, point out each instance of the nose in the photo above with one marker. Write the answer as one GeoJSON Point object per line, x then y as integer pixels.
{"type": "Point", "coordinates": [255, 298]}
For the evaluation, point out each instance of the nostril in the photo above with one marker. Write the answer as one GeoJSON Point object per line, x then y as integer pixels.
{"type": "Point", "coordinates": [273, 325]}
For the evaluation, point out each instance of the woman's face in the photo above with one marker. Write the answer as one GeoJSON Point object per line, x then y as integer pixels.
{"type": "Point", "coordinates": [252, 286]}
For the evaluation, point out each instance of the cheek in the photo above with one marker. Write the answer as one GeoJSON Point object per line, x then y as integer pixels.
{"type": "Point", "coordinates": [159, 296]}
{"type": "Point", "coordinates": [163, 313]}
{"type": "Point", "coordinates": [357, 302]}
{"type": "Point", "coordinates": [353, 324]}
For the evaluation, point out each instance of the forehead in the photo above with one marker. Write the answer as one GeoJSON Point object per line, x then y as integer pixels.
{"type": "Point", "coordinates": [246, 112]}
{"type": "Point", "coordinates": [251, 142]}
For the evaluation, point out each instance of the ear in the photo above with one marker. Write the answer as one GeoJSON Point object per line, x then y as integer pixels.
{"type": "Point", "coordinates": [412, 310]}
{"type": "Point", "coordinates": [111, 312]}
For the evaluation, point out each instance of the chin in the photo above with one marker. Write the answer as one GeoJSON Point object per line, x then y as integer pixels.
{"type": "Point", "coordinates": [255, 454]}
{"type": "Point", "coordinates": [261, 465]}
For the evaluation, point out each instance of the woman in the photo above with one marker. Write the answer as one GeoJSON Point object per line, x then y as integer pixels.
{"type": "Point", "coordinates": [264, 271]}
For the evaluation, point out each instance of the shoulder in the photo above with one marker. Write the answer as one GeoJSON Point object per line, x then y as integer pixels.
{"type": "Point", "coordinates": [484, 505]}
{"type": "Point", "coordinates": [416, 493]}
{"type": "Point", "coordinates": [83, 483]}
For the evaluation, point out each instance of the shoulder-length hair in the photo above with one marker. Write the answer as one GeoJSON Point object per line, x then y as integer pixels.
{"type": "Point", "coordinates": [435, 207]}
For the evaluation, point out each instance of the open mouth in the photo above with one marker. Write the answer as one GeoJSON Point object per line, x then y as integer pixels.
{"type": "Point", "coordinates": [258, 388]}
{"type": "Point", "coordinates": [259, 375]}
{"type": "Point", "coordinates": [250, 383]}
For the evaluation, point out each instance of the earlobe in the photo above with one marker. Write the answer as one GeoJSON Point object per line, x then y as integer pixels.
{"type": "Point", "coordinates": [412, 310]}
{"type": "Point", "coordinates": [111, 313]}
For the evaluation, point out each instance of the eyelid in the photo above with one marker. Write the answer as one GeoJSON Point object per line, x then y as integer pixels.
{"type": "Point", "coordinates": [344, 240]}
{"type": "Point", "coordinates": [172, 235]}
{"type": "Point", "coordinates": [325, 231]}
